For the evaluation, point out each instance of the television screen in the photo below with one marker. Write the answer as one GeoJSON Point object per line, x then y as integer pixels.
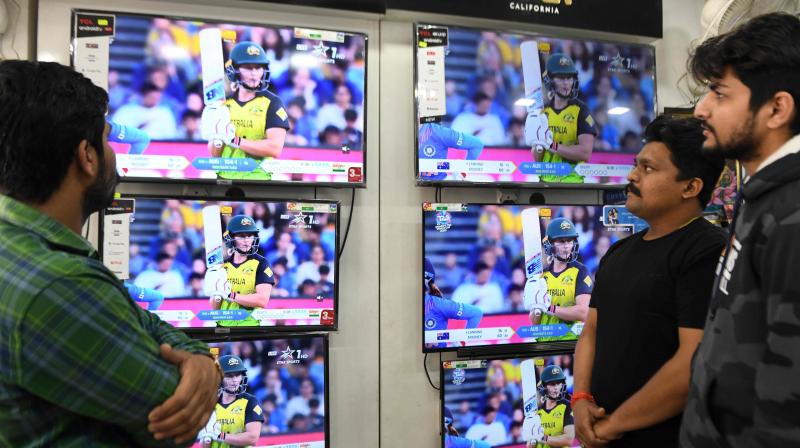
{"type": "Point", "coordinates": [274, 393]}
{"type": "Point", "coordinates": [198, 100]}
{"type": "Point", "coordinates": [235, 264]}
{"type": "Point", "coordinates": [475, 288]}
{"type": "Point", "coordinates": [524, 108]}
{"type": "Point", "coordinates": [484, 402]}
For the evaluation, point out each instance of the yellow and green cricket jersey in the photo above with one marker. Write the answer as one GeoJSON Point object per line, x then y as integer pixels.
{"type": "Point", "coordinates": [566, 125]}
{"type": "Point", "coordinates": [243, 279]}
{"type": "Point", "coordinates": [252, 119]}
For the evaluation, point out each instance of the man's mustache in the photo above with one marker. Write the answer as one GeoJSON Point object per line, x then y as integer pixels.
{"type": "Point", "coordinates": [632, 188]}
{"type": "Point", "coordinates": [707, 126]}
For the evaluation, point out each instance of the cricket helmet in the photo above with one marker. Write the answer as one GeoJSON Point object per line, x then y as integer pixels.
{"type": "Point", "coordinates": [560, 228]}
{"type": "Point", "coordinates": [231, 365]}
{"type": "Point", "coordinates": [242, 224]}
{"type": "Point", "coordinates": [247, 52]}
{"type": "Point", "coordinates": [553, 374]}
{"type": "Point", "coordinates": [559, 64]}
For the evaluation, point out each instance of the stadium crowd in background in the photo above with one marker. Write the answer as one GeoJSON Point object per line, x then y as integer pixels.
{"type": "Point", "coordinates": [482, 99]}
{"type": "Point", "coordinates": [163, 96]}
{"type": "Point", "coordinates": [172, 261]}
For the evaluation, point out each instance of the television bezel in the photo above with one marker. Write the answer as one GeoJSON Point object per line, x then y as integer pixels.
{"type": "Point", "coordinates": [490, 349]}
{"type": "Point", "coordinates": [236, 182]}
{"type": "Point", "coordinates": [253, 336]}
{"type": "Point", "coordinates": [205, 331]}
{"type": "Point", "coordinates": [510, 184]}
{"type": "Point", "coordinates": [519, 354]}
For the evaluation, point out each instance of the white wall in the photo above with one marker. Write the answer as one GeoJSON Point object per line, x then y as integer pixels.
{"type": "Point", "coordinates": [379, 393]}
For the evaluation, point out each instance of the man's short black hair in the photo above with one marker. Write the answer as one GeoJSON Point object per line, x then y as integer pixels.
{"type": "Point", "coordinates": [46, 110]}
{"type": "Point", "coordinates": [684, 139]}
{"type": "Point", "coordinates": [763, 53]}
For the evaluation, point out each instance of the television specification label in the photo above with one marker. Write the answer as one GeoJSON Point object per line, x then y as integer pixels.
{"type": "Point", "coordinates": [431, 96]}
{"type": "Point", "coordinates": [470, 334]}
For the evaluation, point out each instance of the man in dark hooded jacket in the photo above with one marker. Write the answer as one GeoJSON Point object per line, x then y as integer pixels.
{"type": "Point", "coordinates": [745, 389]}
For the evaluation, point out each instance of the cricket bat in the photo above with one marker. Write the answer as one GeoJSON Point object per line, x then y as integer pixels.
{"type": "Point", "coordinates": [212, 234]}
{"type": "Point", "coordinates": [532, 243]}
{"type": "Point", "coordinates": [532, 74]}
{"type": "Point", "coordinates": [532, 78]}
{"type": "Point", "coordinates": [532, 430]}
{"type": "Point", "coordinates": [216, 277]}
{"type": "Point", "coordinates": [530, 397]}
{"type": "Point", "coordinates": [212, 65]}
{"type": "Point", "coordinates": [535, 287]}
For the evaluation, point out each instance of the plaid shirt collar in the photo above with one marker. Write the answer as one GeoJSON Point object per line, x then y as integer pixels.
{"type": "Point", "coordinates": [31, 220]}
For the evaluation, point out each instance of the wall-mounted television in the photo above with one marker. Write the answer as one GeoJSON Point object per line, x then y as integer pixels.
{"type": "Point", "coordinates": [274, 393]}
{"type": "Point", "coordinates": [233, 264]}
{"type": "Point", "coordinates": [476, 260]}
{"type": "Point", "coordinates": [489, 403]}
{"type": "Point", "coordinates": [270, 104]}
{"type": "Point", "coordinates": [485, 100]}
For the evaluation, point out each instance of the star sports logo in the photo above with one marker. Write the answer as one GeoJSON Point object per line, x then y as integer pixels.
{"type": "Point", "coordinates": [321, 50]}
{"type": "Point", "coordinates": [618, 63]}
{"type": "Point", "coordinates": [287, 354]}
{"type": "Point", "coordinates": [298, 219]}
{"type": "Point", "coordinates": [290, 356]}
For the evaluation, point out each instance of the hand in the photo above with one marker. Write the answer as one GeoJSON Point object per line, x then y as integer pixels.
{"type": "Point", "coordinates": [532, 430]}
{"type": "Point", "coordinates": [586, 414]}
{"type": "Point", "coordinates": [210, 433]}
{"type": "Point", "coordinates": [183, 414]}
{"type": "Point", "coordinates": [606, 431]}
{"type": "Point", "coordinates": [535, 295]}
{"type": "Point", "coordinates": [216, 285]}
{"type": "Point", "coordinates": [216, 126]}
{"type": "Point", "coordinates": [537, 132]}
{"type": "Point", "coordinates": [551, 310]}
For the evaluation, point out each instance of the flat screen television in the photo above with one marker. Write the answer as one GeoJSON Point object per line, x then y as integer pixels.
{"type": "Point", "coordinates": [475, 258]}
{"type": "Point", "coordinates": [473, 107]}
{"type": "Point", "coordinates": [483, 401]}
{"type": "Point", "coordinates": [301, 120]}
{"type": "Point", "coordinates": [209, 264]}
{"type": "Point", "coordinates": [275, 393]}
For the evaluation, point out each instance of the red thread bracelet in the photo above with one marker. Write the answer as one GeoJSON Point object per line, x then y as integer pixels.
{"type": "Point", "coordinates": [578, 396]}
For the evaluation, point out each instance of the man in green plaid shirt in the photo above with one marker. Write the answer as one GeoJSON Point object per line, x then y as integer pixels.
{"type": "Point", "coordinates": [80, 363]}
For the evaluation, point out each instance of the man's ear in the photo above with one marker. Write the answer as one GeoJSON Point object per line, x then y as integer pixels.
{"type": "Point", "coordinates": [782, 110]}
{"type": "Point", "coordinates": [86, 159]}
{"type": "Point", "coordinates": [693, 188]}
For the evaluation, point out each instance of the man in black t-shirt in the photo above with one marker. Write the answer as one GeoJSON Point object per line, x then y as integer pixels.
{"type": "Point", "coordinates": [650, 297]}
